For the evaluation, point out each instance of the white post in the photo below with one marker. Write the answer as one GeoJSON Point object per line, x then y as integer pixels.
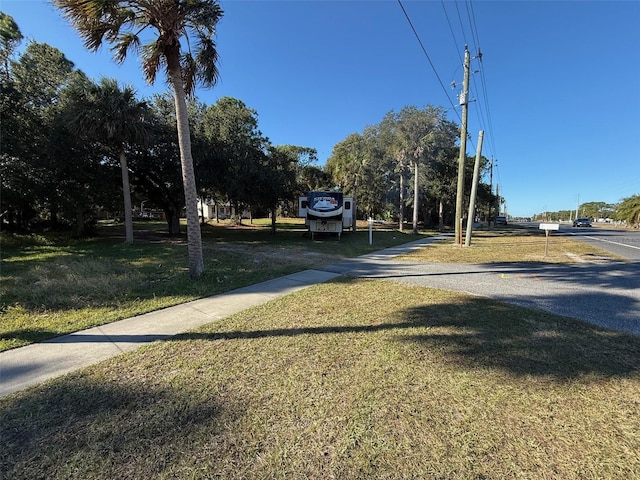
{"type": "Point", "coordinates": [547, 227]}
{"type": "Point", "coordinates": [370, 231]}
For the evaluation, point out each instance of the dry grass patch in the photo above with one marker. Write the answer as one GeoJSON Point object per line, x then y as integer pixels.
{"type": "Point", "coordinates": [49, 288]}
{"type": "Point", "coordinates": [510, 246]}
{"type": "Point", "coordinates": [349, 380]}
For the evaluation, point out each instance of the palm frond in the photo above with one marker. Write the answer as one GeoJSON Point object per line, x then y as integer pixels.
{"type": "Point", "coordinates": [125, 42]}
{"type": "Point", "coordinates": [207, 60]}
{"type": "Point", "coordinates": [152, 60]}
{"type": "Point", "coordinates": [189, 73]}
{"type": "Point", "coordinates": [177, 22]}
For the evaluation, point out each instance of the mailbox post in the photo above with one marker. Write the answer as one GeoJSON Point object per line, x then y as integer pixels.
{"type": "Point", "coordinates": [547, 227]}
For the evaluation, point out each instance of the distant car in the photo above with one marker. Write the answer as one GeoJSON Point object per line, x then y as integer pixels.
{"type": "Point", "coordinates": [501, 220]}
{"type": "Point", "coordinates": [582, 222]}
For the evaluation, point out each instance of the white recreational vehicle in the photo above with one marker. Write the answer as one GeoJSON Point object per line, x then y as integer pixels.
{"type": "Point", "coordinates": [327, 212]}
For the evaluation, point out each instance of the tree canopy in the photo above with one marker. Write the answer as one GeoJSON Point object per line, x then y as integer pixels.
{"type": "Point", "coordinates": [57, 175]}
{"type": "Point", "coordinates": [376, 165]}
{"type": "Point", "coordinates": [628, 210]}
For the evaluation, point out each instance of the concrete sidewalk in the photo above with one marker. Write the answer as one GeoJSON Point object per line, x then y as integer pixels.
{"type": "Point", "coordinates": [36, 363]}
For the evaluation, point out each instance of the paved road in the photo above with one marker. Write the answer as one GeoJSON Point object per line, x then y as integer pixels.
{"type": "Point", "coordinates": [625, 243]}
{"type": "Point", "coordinates": [605, 294]}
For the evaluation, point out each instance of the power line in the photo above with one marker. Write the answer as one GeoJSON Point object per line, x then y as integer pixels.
{"type": "Point", "coordinates": [485, 96]}
{"type": "Point", "coordinates": [472, 23]}
{"type": "Point", "coordinates": [455, 42]}
{"type": "Point", "coordinates": [486, 100]}
{"type": "Point", "coordinates": [461, 25]}
{"type": "Point", "coordinates": [424, 50]}
{"type": "Point", "coordinates": [483, 111]}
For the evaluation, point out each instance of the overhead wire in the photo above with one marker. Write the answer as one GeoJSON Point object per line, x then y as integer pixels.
{"type": "Point", "coordinates": [485, 95]}
{"type": "Point", "coordinates": [457, 49]}
{"type": "Point", "coordinates": [475, 48]}
{"type": "Point", "coordinates": [472, 23]}
{"type": "Point", "coordinates": [483, 111]}
{"type": "Point", "coordinates": [424, 50]}
{"type": "Point", "coordinates": [453, 35]}
{"type": "Point", "coordinates": [462, 29]}
{"type": "Point", "coordinates": [482, 106]}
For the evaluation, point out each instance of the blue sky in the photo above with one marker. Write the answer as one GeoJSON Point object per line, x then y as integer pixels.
{"type": "Point", "coordinates": [557, 91]}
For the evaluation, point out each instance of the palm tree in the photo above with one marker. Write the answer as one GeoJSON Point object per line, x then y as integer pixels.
{"type": "Point", "coordinates": [121, 22]}
{"type": "Point", "coordinates": [117, 118]}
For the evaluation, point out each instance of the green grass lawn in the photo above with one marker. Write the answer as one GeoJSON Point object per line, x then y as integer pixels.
{"type": "Point", "coordinates": [352, 379]}
{"type": "Point", "coordinates": [53, 285]}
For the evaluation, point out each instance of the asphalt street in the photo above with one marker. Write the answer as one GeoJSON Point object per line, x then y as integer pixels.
{"type": "Point", "coordinates": [606, 294]}
{"type": "Point", "coordinates": [624, 243]}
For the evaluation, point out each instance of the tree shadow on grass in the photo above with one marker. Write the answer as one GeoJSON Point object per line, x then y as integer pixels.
{"type": "Point", "coordinates": [86, 427]}
{"type": "Point", "coordinates": [523, 342]}
{"type": "Point", "coordinates": [604, 293]}
{"type": "Point", "coordinates": [483, 332]}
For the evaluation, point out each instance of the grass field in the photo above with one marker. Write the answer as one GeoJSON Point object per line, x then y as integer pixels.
{"type": "Point", "coordinates": [349, 380]}
{"type": "Point", "coordinates": [511, 245]}
{"type": "Point", "coordinates": [352, 379]}
{"type": "Point", "coordinates": [51, 286]}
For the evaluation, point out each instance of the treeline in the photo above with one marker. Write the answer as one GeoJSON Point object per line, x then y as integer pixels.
{"type": "Point", "coordinates": [72, 149]}
{"type": "Point", "coordinates": [626, 211]}
{"type": "Point", "coordinates": [406, 166]}
{"type": "Point", "coordinates": [68, 142]}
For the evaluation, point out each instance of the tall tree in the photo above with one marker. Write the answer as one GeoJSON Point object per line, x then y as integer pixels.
{"type": "Point", "coordinates": [596, 209]}
{"type": "Point", "coordinates": [10, 38]}
{"type": "Point", "coordinates": [117, 119]}
{"type": "Point", "coordinates": [417, 137]}
{"type": "Point", "coordinates": [156, 169]}
{"type": "Point", "coordinates": [279, 183]}
{"type": "Point", "coordinates": [312, 177]}
{"type": "Point", "coordinates": [38, 79]}
{"type": "Point", "coordinates": [83, 181]}
{"type": "Point", "coordinates": [373, 165]}
{"type": "Point", "coordinates": [239, 149]}
{"type": "Point", "coordinates": [347, 162]}
{"type": "Point", "coordinates": [121, 22]}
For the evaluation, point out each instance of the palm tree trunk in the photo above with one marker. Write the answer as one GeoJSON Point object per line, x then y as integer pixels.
{"type": "Point", "coordinates": [194, 239]}
{"type": "Point", "coordinates": [273, 219]}
{"type": "Point", "coordinates": [79, 227]}
{"type": "Point", "coordinates": [126, 193]}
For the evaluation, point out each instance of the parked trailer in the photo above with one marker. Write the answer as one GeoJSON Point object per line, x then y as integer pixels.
{"type": "Point", "coordinates": [327, 212]}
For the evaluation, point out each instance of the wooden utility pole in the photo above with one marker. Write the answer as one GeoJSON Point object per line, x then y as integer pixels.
{"type": "Point", "coordinates": [474, 190]}
{"type": "Point", "coordinates": [490, 191]}
{"type": "Point", "coordinates": [416, 194]}
{"type": "Point", "coordinates": [464, 101]}
{"type": "Point", "coordinates": [401, 209]}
